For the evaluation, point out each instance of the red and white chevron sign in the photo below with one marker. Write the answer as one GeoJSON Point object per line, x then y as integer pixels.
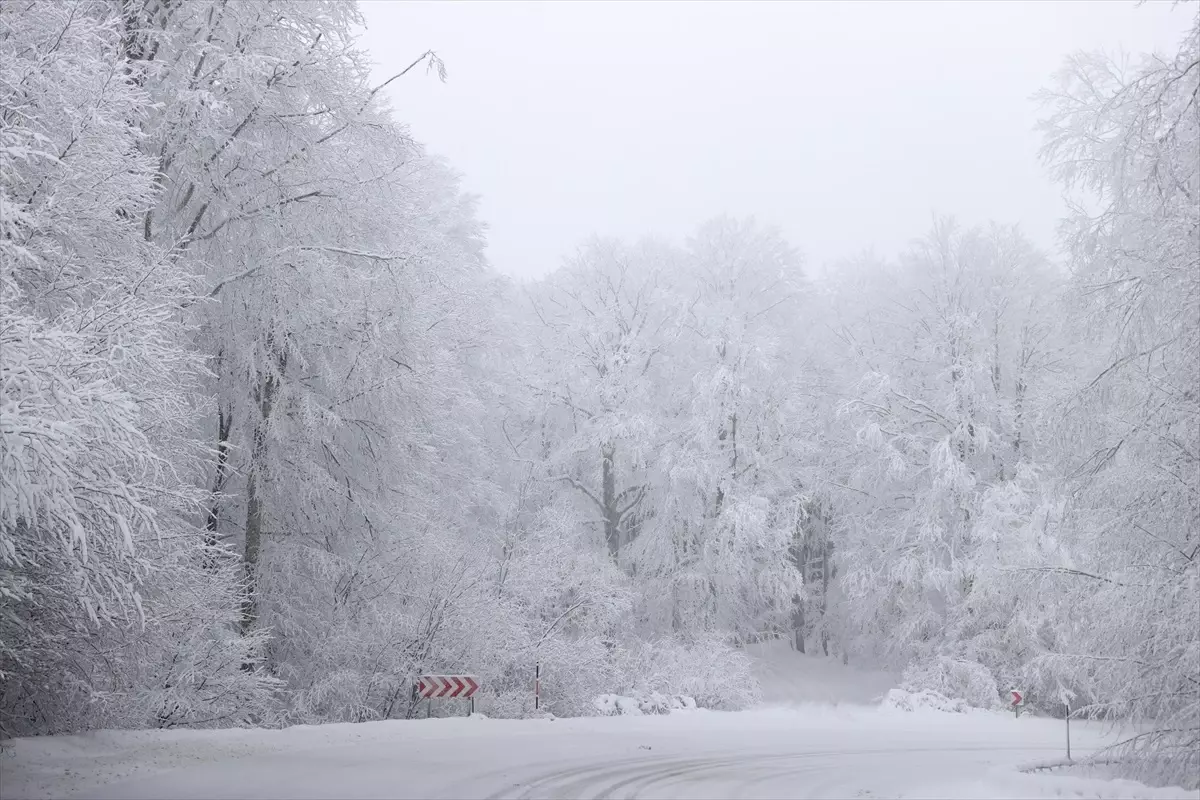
{"type": "Point", "coordinates": [447, 685]}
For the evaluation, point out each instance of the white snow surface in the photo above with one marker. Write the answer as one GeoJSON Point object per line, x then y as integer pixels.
{"type": "Point", "coordinates": [788, 678]}
{"type": "Point", "coordinates": [798, 750]}
{"type": "Point", "coordinates": [805, 751]}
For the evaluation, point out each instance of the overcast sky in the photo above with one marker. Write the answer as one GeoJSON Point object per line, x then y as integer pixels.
{"type": "Point", "coordinates": [848, 124]}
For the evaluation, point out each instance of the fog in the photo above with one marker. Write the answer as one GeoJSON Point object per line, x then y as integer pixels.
{"type": "Point", "coordinates": [847, 124]}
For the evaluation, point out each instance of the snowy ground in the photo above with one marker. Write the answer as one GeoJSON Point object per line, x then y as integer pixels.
{"type": "Point", "coordinates": [801, 750]}
{"type": "Point", "coordinates": [788, 678]}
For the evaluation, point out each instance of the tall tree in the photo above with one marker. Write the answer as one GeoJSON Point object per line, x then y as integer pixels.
{"type": "Point", "coordinates": [108, 614]}
{"type": "Point", "coordinates": [948, 484]}
{"type": "Point", "coordinates": [607, 318]}
{"type": "Point", "coordinates": [1124, 138]}
{"type": "Point", "coordinates": [717, 551]}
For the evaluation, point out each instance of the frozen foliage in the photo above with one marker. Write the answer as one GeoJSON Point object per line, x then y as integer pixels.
{"type": "Point", "coordinates": [950, 411]}
{"type": "Point", "coordinates": [1127, 137]}
{"type": "Point", "coordinates": [113, 610]}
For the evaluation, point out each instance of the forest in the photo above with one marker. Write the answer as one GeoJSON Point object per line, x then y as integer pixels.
{"type": "Point", "coordinates": [275, 437]}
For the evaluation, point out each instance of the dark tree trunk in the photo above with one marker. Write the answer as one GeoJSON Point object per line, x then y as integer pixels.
{"type": "Point", "coordinates": [211, 523]}
{"type": "Point", "coordinates": [608, 497]}
{"type": "Point", "coordinates": [798, 622]}
{"type": "Point", "coordinates": [265, 395]}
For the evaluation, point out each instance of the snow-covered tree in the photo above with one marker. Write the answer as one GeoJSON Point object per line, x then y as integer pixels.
{"type": "Point", "coordinates": [717, 549]}
{"type": "Point", "coordinates": [959, 356]}
{"type": "Point", "coordinates": [1123, 138]}
{"type": "Point", "coordinates": [606, 320]}
{"type": "Point", "coordinates": [108, 614]}
{"type": "Point", "coordinates": [343, 274]}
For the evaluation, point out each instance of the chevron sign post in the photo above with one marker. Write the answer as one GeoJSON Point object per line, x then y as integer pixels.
{"type": "Point", "coordinates": [440, 686]}
{"type": "Point", "coordinates": [1018, 700]}
{"type": "Point", "coordinates": [447, 685]}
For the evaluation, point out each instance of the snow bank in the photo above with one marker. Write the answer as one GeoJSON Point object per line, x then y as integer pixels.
{"type": "Point", "coordinates": [614, 705]}
{"type": "Point", "coordinates": [902, 700]}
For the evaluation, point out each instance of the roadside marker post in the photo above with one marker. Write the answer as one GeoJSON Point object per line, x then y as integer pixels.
{"type": "Point", "coordinates": [1066, 695]}
{"type": "Point", "coordinates": [1068, 731]}
{"type": "Point", "coordinates": [1018, 700]}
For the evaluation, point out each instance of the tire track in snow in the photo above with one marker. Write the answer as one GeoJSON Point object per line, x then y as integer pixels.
{"type": "Point", "coordinates": [741, 775]}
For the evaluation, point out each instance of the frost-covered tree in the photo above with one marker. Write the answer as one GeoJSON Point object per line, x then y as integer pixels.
{"type": "Point", "coordinates": [269, 144]}
{"type": "Point", "coordinates": [1123, 138]}
{"type": "Point", "coordinates": [605, 322]}
{"type": "Point", "coordinates": [658, 400]}
{"type": "Point", "coordinates": [716, 551]}
{"type": "Point", "coordinates": [343, 274]}
{"type": "Point", "coordinates": [108, 614]}
{"type": "Point", "coordinates": [959, 356]}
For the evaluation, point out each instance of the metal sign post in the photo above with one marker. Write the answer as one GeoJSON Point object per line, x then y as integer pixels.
{"type": "Point", "coordinates": [1018, 700]}
{"type": "Point", "coordinates": [1068, 731]}
{"type": "Point", "coordinates": [537, 686]}
{"type": "Point", "coordinates": [1066, 695]}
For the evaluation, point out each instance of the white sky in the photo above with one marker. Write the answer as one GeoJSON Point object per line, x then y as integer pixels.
{"type": "Point", "coordinates": [848, 124]}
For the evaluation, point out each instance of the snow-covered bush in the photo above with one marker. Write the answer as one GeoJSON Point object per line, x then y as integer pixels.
{"type": "Point", "coordinates": [954, 678]}
{"type": "Point", "coordinates": [903, 700]}
{"type": "Point", "coordinates": [572, 673]}
{"type": "Point", "coordinates": [560, 605]}
{"type": "Point", "coordinates": [710, 671]}
{"type": "Point", "coordinates": [655, 703]}
{"type": "Point", "coordinates": [613, 705]}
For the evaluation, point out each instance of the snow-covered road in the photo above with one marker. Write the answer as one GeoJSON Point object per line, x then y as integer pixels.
{"type": "Point", "coordinates": [741, 773]}
{"type": "Point", "coordinates": [805, 751]}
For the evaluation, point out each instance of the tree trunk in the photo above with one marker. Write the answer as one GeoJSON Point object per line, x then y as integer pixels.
{"type": "Point", "coordinates": [608, 496]}
{"type": "Point", "coordinates": [798, 622]}
{"type": "Point", "coordinates": [997, 382]}
{"type": "Point", "coordinates": [250, 557]}
{"type": "Point", "coordinates": [826, 569]}
{"type": "Point", "coordinates": [211, 537]}
{"type": "Point", "coordinates": [266, 395]}
{"type": "Point", "coordinates": [1019, 396]}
